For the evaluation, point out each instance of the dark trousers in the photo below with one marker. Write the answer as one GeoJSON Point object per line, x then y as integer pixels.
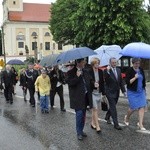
{"type": "Point", "coordinates": [53, 92]}
{"type": "Point", "coordinates": [24, 89]}
{"type": "Point", "coordinates": [8, 93]}
{"type": "Point", "coordinates": [80, 121]}
{"type": "Point", "coordinates": [112, 111]}
{"type": "Point", "coordinates": [31, 93]}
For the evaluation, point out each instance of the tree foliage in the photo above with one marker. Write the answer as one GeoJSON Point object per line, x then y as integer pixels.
{"type": "Point", "coordinates": [60, 24]}
{"type": "Point", "coordinates": [93, 22]}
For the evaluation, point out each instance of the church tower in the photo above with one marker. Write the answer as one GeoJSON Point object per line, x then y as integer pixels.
{"type": "Point", "coordinates": [11, 5]}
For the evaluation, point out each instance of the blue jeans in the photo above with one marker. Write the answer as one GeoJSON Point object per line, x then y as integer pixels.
{"type": "Point", "coordinates": [44, 102]}
{"type": "Point", "coordinates": [80, 121]}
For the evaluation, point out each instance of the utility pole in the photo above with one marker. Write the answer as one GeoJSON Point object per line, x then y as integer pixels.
{"type": "Point", "coordinates": [3, 45]}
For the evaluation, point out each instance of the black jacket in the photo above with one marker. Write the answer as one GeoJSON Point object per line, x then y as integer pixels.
{"type": "Point", "coordinates": [112, 85]}
{"type": "Point", "coordinates": [77, 90]}
{"type": "Point", "coordinates": [101, 80]}
{"type": "Point", "coordinates": [54, 78]}
{"type": "Point", "coordinates": [131, 74]}
{"type": "Point", "coordinates": [23, 80]}
{"type": "Point", "coordinates": [8, 78]}
{"type": "Point", "coordinates": [31, 77]}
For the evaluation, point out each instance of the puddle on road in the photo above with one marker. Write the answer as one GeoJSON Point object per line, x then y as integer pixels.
{"type": "Point", "coordinates": [24, 123]}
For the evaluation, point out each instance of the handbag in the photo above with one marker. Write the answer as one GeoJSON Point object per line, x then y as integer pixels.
{"type": "Point", "coordinates": [104, 105]}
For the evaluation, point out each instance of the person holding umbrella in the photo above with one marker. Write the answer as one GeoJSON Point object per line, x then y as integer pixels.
{"type": "Point", "coordinates": [136, 94]}
{"type": "Point", "coordinates": [80, 94]}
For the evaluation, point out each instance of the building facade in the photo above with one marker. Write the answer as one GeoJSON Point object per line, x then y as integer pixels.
{"type": "Point", "coordinates": [25, 25]}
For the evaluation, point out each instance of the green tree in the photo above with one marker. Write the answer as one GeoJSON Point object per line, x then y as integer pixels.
{"type": "Point", "coordinates": [109, 22]}
{"type": "Point", "coordinates": [60, 24]}
{"type": "Point", "coordinates": [93, 22]}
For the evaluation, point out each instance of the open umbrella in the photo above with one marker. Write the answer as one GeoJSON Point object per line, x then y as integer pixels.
{"type": "Point", "coordinates": [136, 49]}
{"type": "Point", "coordinates": [15, 62]}
{"type": "Point", "coordinates": [48, 60]}
{"type": "Point", "coordinates": [73, 54]}
{"type": "Point", "coordinates": [105, 52]}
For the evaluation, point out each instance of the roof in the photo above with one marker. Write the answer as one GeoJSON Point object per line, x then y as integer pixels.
{"type": "Point", "coordinates": [31, 13]}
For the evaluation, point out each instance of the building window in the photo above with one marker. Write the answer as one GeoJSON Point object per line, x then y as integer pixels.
{"type": "Point", "coordinates": [47, 45]}
{"type": "Point", "coordinates": [60, 46]}
{"type": "Point", "coordinates": [47, 34]}
{"type": "Point", "coordinates": [14, 2]}
{"type": "Point", "coordinates": [34, 45]}
{"type": "Point", "coordinates": [20, 44]}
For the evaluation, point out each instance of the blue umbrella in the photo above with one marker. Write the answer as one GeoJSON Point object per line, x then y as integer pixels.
{"type": "Point", "coordinates": [137, 49]}
{"type": "Point", "coordinates": [75, 53]}
{"type": "Point", "coordinates": [15, 62]}
{"type": "Point", "coordinates": [105, 52]}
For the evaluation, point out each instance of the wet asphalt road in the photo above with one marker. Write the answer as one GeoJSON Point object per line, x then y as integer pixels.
{"type": "Point", "coordinates": [25, 128]}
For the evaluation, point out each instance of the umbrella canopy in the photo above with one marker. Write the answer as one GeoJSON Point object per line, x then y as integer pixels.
{"type": "Point", "coordinates": [15, 62]}
{"type": "Point", "coordinates": [105, 52]}
{"type": "Point", "coordinates": [137, 49]}
{"type": "Point", "coordinates": [73, 54]}
{"type": "Point", "coordinates": [48, 60]}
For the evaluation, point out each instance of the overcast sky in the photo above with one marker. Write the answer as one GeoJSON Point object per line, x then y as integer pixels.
{"type": "Point", "coordinates": [33, 1]}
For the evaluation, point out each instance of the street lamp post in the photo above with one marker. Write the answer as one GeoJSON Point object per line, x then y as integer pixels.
{"type": "Point", "coordinates": [3, 45]}
{"type": "Point", "coordinates": [34, 35]}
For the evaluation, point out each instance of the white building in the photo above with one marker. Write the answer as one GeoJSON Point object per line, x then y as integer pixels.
{"type": "Point", "coordinates": [27, 24]}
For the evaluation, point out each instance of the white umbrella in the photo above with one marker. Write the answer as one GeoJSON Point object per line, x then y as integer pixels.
{"type": "Point", "coordinates": [105, 52]}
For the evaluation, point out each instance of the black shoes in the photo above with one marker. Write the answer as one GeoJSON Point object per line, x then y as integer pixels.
{"type": "Point", "coordinates": [98, 131]}
{"type": "Point", "coordinates": [108, 121]}
{"type": "Point", "coordinates": [93, 127]}
{"type": "Point", "coordinates": [45, 111]}
{"type": "Point", "coordinates": [80, 137]}
{"type": "Point", "coordinates": [117, 127]}
{"type": "Point", "coordinates": [11, 102]}
{"type": "Point", "coordinates": [84, 134]}
{"type": "Point", "coordinates": [64, 110]}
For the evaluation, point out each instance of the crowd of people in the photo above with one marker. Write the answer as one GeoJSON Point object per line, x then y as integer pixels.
{"type": "Point", "coordinates": [87, 87]}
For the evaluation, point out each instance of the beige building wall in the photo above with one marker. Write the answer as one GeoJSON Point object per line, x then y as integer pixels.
{"type": "Point", "coordinates": [16, 32]}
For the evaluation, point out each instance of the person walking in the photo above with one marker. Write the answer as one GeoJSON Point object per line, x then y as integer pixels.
{"type": "Point", "coordinates": [97, 90]}
{"type": "Point", "coordinates": [31, 76]}
{"type": "Point", "coordinates": [43, 86]}
{"type": "Point", "coordinates": [8, 82]}
{"type": "Point", "coordinates": [57, 81]}
{"type": "Point", "coordinates": [23, 83]}
{"type": "Point", "coordinates": [80, 94]}
{"type": "Point", "coordinates": [113, 84]}
{"type": "Point", "coordinates": [136, 93]}
{"type": "Point", "coordinates": [15, 77]}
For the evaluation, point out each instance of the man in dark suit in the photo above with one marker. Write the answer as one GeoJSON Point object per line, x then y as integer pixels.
{"type": "Point", "coordinates": [31, 75]}
{"type": "Point", "coordinates": [8, 82]}
{"type": "Point", "coordinates": [113, 84]}
{"type": "Point", "coordinates": [57, 80]}
{"type": "Point", "coordinates": [80, 94]}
